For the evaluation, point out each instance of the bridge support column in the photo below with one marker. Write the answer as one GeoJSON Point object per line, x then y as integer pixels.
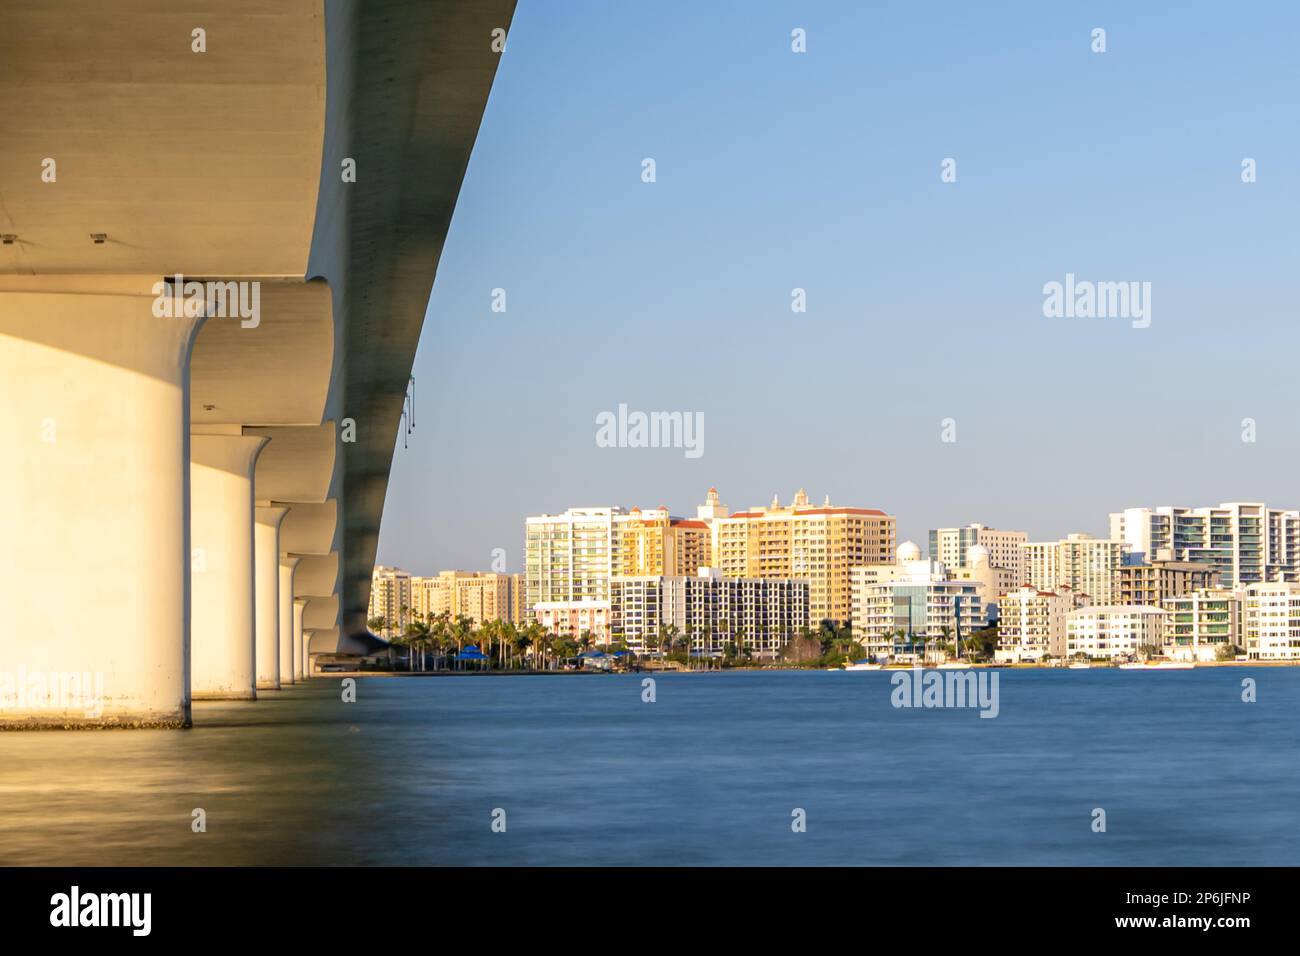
{"type": "Point", "coordinates": [299, 649]}
{"type": "Point", "coordinates": [221, 522]}
{"type": "Point", "coordinates": [266, 563]}
{"type": "Point", "coordinates": [287, 565]}
{"type": "Point", "coordinates": [94, 504]}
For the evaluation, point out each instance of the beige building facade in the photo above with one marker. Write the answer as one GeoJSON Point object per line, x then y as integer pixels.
{"type": "Point", "coordinates": [478, 595]}
{"type": "Point", "coordinates": [1152, 582]}
{"type": "Point", "coordinates": [800, 541]}
{"type": "Point", "coordinates": [1031, 625]}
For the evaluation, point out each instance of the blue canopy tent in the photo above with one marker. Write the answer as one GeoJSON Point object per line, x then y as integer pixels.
{"type": "Point", "coordinates": [471, 653]}
{"type": "Point", "coordinates": [595, 659]}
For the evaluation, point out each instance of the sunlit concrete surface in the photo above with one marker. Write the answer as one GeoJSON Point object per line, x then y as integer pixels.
{"type": "Point", "coordinates": [130, 159]}
{"type": "Point", "coordinates": [223, 657]}
{"type": "Point", "coordinates": [299, 604]}
{"type": "Point", "coordinates": [93, 502]}
{"type": "Point", "coordinates": [266, 593]}
{"type": "Point", "coordinates": [287, 565]}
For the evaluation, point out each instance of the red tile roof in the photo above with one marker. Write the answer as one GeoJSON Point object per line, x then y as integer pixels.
{"type": "Point", "coordinates": [799, 512]}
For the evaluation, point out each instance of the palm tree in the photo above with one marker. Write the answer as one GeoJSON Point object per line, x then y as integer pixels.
{"type": "Point", "coordinates": [523, 642]}
{"type": "Point", "coordinates": [534, 636]}
{"type": "Point", "coordinates": [417, 633]}
{"type": "Point", "coordinates": [438, 633]}
{"type": "Point", "coordinates": [548, 641]}
{"type": "Point", "coordinates": [460, 630]}
{"type": "Point", "coordinates": [399, 640]}
{"type": "Point", "coordinates": [509, 640]}
{"type": "Point", "coordinates": [376, 624]}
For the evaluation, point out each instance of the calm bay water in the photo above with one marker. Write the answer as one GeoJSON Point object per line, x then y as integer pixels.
{"type": "Point", "coordinates": [708, 774]}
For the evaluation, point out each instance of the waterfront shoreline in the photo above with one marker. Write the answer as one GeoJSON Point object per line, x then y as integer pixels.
{"type": "Point", "coordinates": [762, 669]}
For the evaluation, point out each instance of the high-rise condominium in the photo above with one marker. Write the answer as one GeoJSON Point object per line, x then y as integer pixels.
{"type": "Point", "coordinates": [570, 558]}
{"type": "Point", "coordinates": [567, 565]}
{"type": "Point", "coordinates": [806, 542]}
{"type": "Point", "coordinates": [1087, 565]}
{"type": "Point", "coordinates": [708, 612]}
{"type": "Point", "coordinates": [390, 599]}
{"type": "Point", "coordinates": [1245, 542]}
{"type": "Point", "coordinates": [914, 601]}
{"type": "Point", "coordinates": [952, 546]}
{"type": "Point", "coordinates": [1153, 581]}
{"type": "Point", "coordinates": [478, 595]}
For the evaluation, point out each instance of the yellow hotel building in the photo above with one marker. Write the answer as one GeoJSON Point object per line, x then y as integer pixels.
{"type": "Point", "coordinates": [478, 595]}
{"type": "Point", "coordinates": [655, 543]}
{"type": "Point", "coordinates": [803, 542]}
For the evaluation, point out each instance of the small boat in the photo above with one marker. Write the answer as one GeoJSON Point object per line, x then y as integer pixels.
{"type": "Point", "coordinates": [954, 666]}
{"type": "Point", "coordinates": [862, 666]}
{"type": "Point", "coordinates": [1080, 666]}
{"type": "Point", "coordinates": [1159, 666]}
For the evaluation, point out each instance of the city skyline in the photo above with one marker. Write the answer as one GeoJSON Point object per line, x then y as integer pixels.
{"type": "Point", "coordinates": [1101, 530]}
{"type": "Point", "coordinates": [822, 171]}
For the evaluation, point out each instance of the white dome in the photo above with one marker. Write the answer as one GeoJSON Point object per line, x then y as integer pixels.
{"type": "Point", "coordinates": [908, 551]}
{"type": "Point", "coordinates": [977, 554]}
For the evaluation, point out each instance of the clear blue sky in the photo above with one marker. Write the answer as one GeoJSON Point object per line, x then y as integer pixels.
{"type": "Point", "coordinates": [821, 170]}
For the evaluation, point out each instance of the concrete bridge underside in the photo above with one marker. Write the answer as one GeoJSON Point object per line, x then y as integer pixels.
{"type": "Point", "coordinates": [190, 503]}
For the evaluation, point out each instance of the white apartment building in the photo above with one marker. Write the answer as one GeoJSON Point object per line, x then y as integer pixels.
{"type": "Point", "coordinates": [1031, 625]}
{"type": "Point", "coordinates": [569, 557]}
{"type": "Point", "coordinates": [897, 606]}
{"type": "Point", "coordinates": [710, 610]}
{"type": "Point", "coordinates": [1085, 564]}
{"type": "Point", "coordinates": [1116, 630]}
{"type": "Point", "coordinates": [1246, 542]}
{"type": "Point", "coordinates": [991, 580]}
{"type": "Point", "coordinates": [1271, 621]}
{"type": "Point", "coordinates": [568, 561]}
{"type": "Point", "coordinates": [951, 546]}
{"type": "Point", "coordinates": [1201, 622]}
{"type": "Point", "coordinates": [390, 599]}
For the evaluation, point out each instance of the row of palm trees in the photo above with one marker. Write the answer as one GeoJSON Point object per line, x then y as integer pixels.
{"type": "Point", "coordinates": [504, 644]}
{"type": "Point", "coordinates": [508, 646]}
